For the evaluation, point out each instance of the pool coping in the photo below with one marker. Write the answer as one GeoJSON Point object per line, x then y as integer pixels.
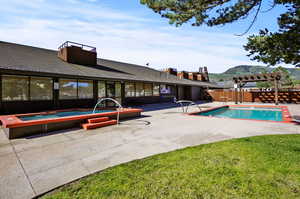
{"type": "Point", "coordinates": [286, 116]}
{"type": "Point", "coordinates": [13, 121]}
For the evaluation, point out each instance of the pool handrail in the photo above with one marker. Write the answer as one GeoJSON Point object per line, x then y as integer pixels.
{"type": "Point", "coordinates": [113, 100]}
{"type": "Point", "coordinates": [189, 103]}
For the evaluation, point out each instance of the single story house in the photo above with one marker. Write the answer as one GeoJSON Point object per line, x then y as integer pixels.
{"type": "Point", "coordinates": [36, 79]}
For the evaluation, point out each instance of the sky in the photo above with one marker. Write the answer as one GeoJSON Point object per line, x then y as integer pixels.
{"type": "Point", "coordinates": [127, 31]}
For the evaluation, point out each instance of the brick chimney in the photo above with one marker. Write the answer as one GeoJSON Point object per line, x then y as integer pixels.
{"type": "Point", "coordinates": [193, 76]}
{"type": "Point", "coordinates": [76, 53]}
{"type": "Point", "coordinates": [205, 73]}
{"type": "Point", "coordinates": [171, 71]}
{"type": "Point", "coordinates": [200, 77]}
{"type": "Point", "coordinates": [183, 75]}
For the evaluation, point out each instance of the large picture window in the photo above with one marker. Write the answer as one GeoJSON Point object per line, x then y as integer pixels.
{"type": "Point", "coordinates": [156, 89]}
{"type": "Point", "coordinates": [139, 90]}
{"type": "Point", "coordinates": [101, 89]}
{"type": "Point", "coordinates": [129, 89]}
{"type": "Point", "coordinates": [148, 89]}
{"type": "Point", "coordinates": [85, 89]}
{"type": "Point", "coordinates": [41, 88]}
{"type": "Point", "coordinates": [15, 87]}
{"type": "Point", "coordinates": [68, 89]}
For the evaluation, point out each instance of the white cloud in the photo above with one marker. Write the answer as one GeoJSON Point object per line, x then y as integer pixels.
{"type": "Point", "coordinates": [119, 35]}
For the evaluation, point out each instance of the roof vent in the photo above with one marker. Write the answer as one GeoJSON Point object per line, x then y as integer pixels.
{"type": "Point", "coordinates": [76, 53]}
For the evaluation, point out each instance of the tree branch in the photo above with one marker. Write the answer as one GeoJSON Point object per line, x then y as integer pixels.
{"type": "Point", "coordinates": [253, 21]}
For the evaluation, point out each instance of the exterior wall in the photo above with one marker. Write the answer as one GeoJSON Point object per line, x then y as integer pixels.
{"type": "Point", "coordinates": [28, 106]}
{"type": "Point", "coordinates": [196, 93]}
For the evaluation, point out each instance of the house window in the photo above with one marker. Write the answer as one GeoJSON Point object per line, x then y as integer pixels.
{"type": "Point", "coordinates": [129, 89]}
{"type": "Point", "coordinates": [118, 90]}
{"type": "Point", "coordinates": [101, 89]}
{"type": "Point", "coordinates": [15, 87]}
{"type": "Point", "coordinates": [85, 89]}
{"type": "Point", "coordinates": [139, 89]}
{"type": "Point", "coordinates": [41, 88]}
{"type": "Point", "coordinates": [148, 89]}
{"type": "Point", "coordinates": [156, 89]}
{"type": "Point", "coordinates": [68, 89]}
{"type": "Point", "coordinates": [110, 89]}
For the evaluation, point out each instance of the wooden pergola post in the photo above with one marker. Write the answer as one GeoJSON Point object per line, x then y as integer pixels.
{"type": "Point", "coordinates": [235, 94]}
{"type": "Point", "coordinates": [240, 93]}
{"type": "Point", "coordinates": [276, 91]}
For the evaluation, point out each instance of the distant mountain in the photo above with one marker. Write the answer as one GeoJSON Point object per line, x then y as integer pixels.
{"type": "Point", "coordinates": [248, 69]}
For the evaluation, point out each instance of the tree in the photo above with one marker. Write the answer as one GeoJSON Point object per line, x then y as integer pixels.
{"type": "Point", "coordinates": [286, 79]}
{"type": "Point", "coordinates": [268, 47]}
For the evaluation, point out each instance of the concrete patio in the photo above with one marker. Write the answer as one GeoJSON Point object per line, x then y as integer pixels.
{"type": "Point", "coordinates": [34, 165]}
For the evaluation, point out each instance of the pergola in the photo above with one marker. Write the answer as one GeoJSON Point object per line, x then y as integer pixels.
{"type": "Point", "coordinates": [240, 81]}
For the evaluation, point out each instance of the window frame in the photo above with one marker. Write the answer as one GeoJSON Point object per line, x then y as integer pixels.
{"type": "Point", "coordinates": [146, 91]}
{"type": "Point", "coordinates": [52, 90]}
{"type": "Point", "coordinates": [87, 80]}
{"type": "Point", "coordinates": [16, 100]}
{"type": "Point", "coordinates": [154, 85]}
{"type": "Point", "coordinates": [59, 96]}
{"type": "Point", "coordinates": [142, 83]}
{"type": "Point", "coordinates": [134, 89]}
{"type": "Point", "coordinates": [105, 92]}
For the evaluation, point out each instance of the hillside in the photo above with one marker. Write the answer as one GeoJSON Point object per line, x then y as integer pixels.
{"type": "Point", "coordinates": [248, 69]}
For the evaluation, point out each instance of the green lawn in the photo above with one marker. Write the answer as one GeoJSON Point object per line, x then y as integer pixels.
{"type": "Point", "coordinates": [256, 167]}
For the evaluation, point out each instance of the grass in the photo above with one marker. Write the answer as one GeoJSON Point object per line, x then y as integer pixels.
{"type": "Point", "coordinates": [255, 167]}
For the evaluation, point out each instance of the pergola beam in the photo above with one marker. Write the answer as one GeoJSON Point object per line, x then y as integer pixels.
{"type": "Point", "coordinates": [242, 80]}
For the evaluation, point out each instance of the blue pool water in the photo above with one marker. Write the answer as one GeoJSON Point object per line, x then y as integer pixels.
{"type": "Point", "coordinates": [60, 114]}
{"type": "Point", "coordinates": [254, 113]}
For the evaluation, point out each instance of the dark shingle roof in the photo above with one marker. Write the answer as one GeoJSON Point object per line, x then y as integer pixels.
{"type": "Point", "coordinates": [32, 59]}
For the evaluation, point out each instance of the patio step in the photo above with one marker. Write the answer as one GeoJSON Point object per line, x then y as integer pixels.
{"type": "Point", "coordinates": [97, 120]}
{"type": "Point", "coordinates": [88, 126]}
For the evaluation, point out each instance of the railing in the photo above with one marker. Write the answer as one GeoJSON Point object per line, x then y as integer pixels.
{"type": "Point", "coordinates": [113, 100]}
{"type": "Point", "coordinates": [82, 46]}
{"type": "Point", "coordinates": [187, 104]}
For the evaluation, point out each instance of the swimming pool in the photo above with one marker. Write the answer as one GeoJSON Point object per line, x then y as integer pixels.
{"type": "Point", "coordinates": [263, 113]}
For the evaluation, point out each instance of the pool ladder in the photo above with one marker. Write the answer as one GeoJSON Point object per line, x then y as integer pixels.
{"type": "Point", "coordinates": [120, 107]}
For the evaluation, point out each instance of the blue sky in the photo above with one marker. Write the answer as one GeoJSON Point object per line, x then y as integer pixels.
{"type": "Point", "coordinates": [125, 30]}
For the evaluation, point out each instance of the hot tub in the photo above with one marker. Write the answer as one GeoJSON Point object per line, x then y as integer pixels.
{"type": "Point", "coordinates": [21, 125]}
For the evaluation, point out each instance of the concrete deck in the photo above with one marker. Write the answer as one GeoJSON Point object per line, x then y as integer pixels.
{"type": "Point", "coordinates": [34, 165]}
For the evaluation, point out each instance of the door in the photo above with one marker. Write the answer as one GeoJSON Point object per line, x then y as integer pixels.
{"type": "Point", "coordinates": [114, 90]}
{"type": "Point", "coordinates": [188, 93]}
